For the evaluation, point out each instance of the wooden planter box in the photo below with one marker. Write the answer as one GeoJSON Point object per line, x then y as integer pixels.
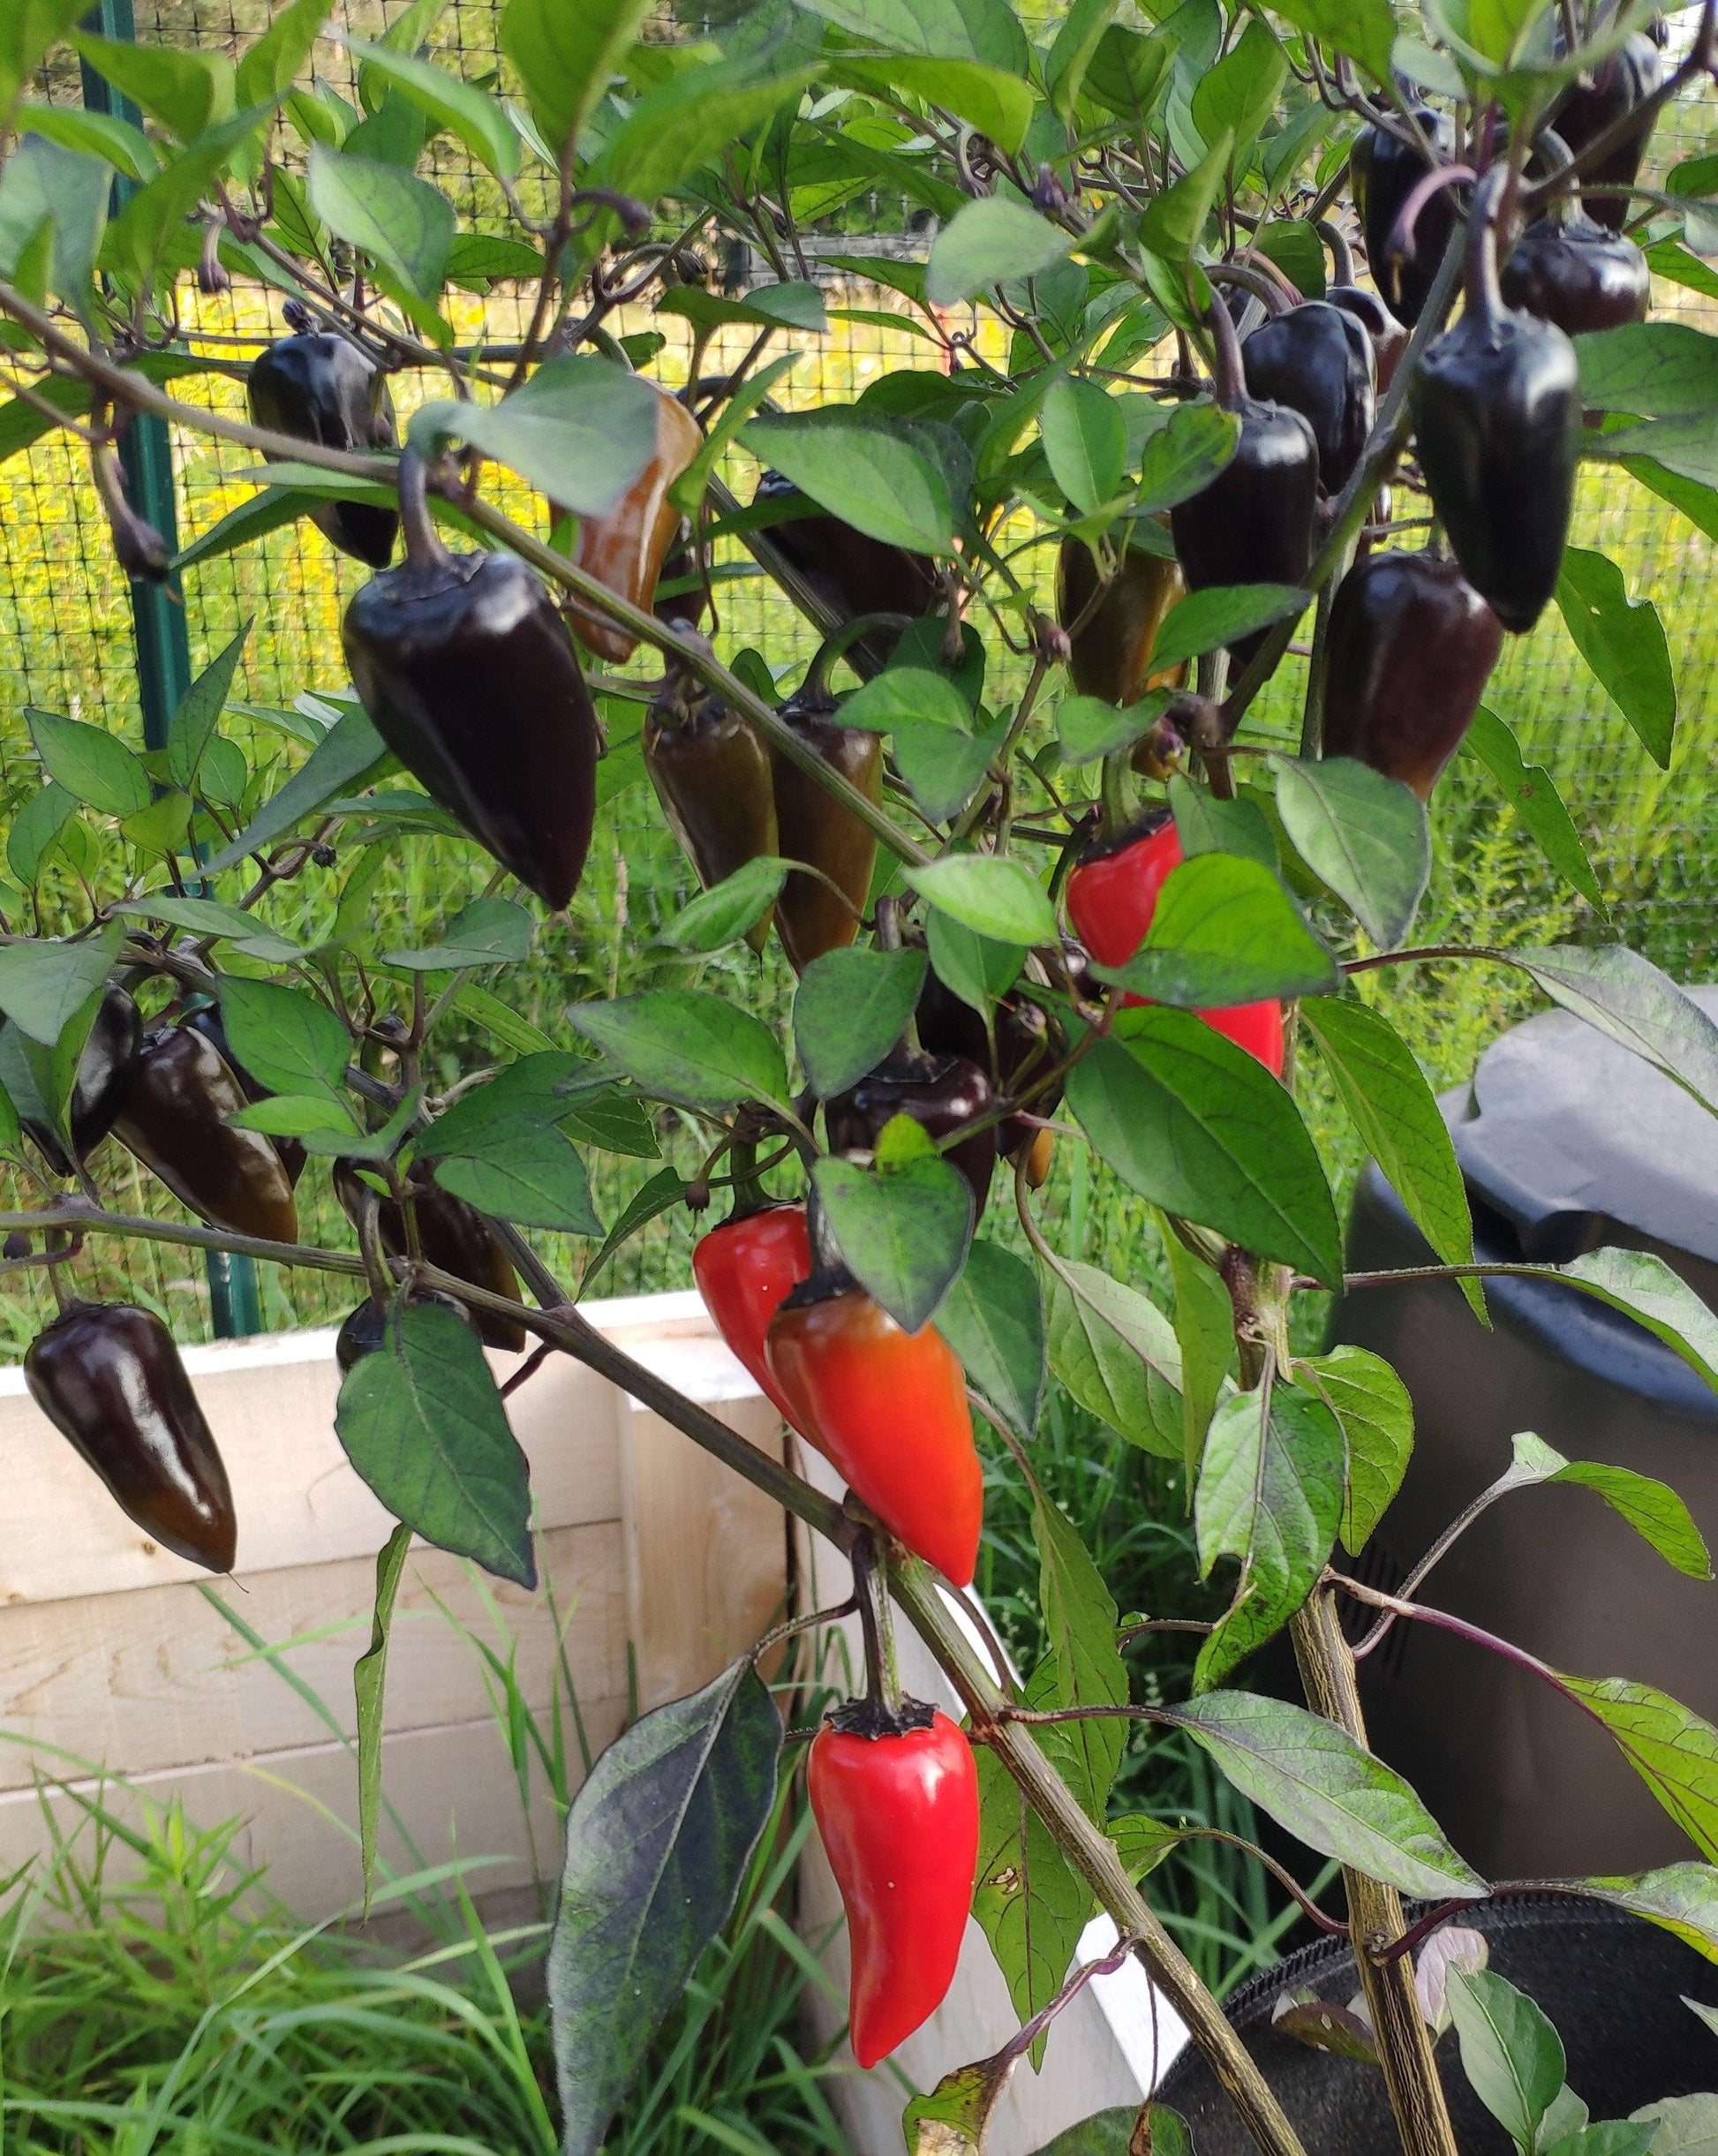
{"type": "Point", "coordinates": [658, 1564]}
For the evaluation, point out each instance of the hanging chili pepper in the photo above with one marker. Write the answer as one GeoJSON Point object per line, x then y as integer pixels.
{"type": "Point", "coordinates": [897, 1808]}
{"type": "Point", "coordinates": [1317, 360]}
{"type": "Point", "coordinates": [1578, 275]}
{"type": "Point", "coordinates": [886, 1407]}
{"type": "Point", "coordinates": [1411, 646]}
{"type": "Point", "coordinates": [105, 1069]}
{"type": "Point", "coordinates": [453, 1236]}
{"type": "Point", "coordinates": [624, 547]}
{"type": "Point", "coordinates": [470, 676]}
{"type": "Point", "coordinates": [207, 1021]}
{"type": "Point", "coordinates": [1113, 641]}
{"type": "Point", "coordinates": [942, 1094]}
{"type": "Point", "coordinates": [361, 1331]}
{"type": "Point", "coordinates": [1253, 523]}
{"type": "Point", "coordinates": [1027, 1041]}
{"type": "Point", "coordinates": [852, 573]}
{"type": "Point", "coordinates": [1498, 414]}
{"type": "Point", "coordinates": [1620, 83]}
{"type": "Point", "coordinates": [109, 1377]}
{"type": "Point", "coordinates": [175, 1120]}
{"type": "Point", "coordinates": [319, 386]}
{"type": "Point", "coordinates": [812, 827]}
{"type": "Point", "coordinates": [712, 774]}
{"type": "Point", "coordinates": [1382, 172]}
{"type": "Point", "coordinates": [745, 1268]}
{"type": "Point", "coordinates": [1388, 336]}
{"type": "Point", "coordinates": [1112, 895]}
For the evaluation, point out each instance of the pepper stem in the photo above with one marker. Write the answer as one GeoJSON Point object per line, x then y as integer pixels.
{"type": "Point", "coordinates": [1342, 255]}
{"type": "Point", "coordinates": [1483, 293]}
{"type": "Point", "coordinates": [870, 1586]}
{"type": "Point", "coordinates": [423, 545]}
{"type": "Point", "coordinates": [839, 640]}
{"type": "Point", "coordinates": [1229, 371]}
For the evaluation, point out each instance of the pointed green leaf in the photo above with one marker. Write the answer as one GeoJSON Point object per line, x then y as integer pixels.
{"type": "Point", "coordinates": [1363, 834]}
{"type": "Point", "coordinates": [902, 1231]}
{"type": "Point", "coordinates": [1622, 641]}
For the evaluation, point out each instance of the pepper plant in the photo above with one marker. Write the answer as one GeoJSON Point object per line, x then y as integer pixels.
{"type": "Point", "coordinates": [1043, 880]}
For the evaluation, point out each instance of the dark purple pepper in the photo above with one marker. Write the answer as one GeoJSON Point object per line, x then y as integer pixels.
{"type": "Point", "coordinates": [1389, 336]}
{"type": "Point", "coordinates": [1577, 275]}
{"type": "Point", "coordinates": [454, 1237]}
{"type": "Point", "coordinates": [207, 1021]}
{"type": "Point", "coordinates": [317, 387]}
{"type": "Point", "coordinates": [105, 1070]}
{"type": "Point", "coordinates": [1620, 83]}
{"type": "Point", "coordinates": [1383, 172]}
{"type": "Point", "coordinates": [1317, 360]}
{"type": "Point", "coordinates": [851, 572]}
{"type": "Point", "coordinates": [942, 1094]}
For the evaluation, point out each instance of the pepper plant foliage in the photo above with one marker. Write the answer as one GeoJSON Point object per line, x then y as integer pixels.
{"type": "Point", "coordinates": [1040, 878]}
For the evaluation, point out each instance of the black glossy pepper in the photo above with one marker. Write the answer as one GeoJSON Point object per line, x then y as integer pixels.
{"type": "Point", "coordinates": [319, 386]}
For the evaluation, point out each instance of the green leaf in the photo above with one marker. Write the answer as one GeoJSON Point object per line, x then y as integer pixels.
{"type": "Point", "coordinates": [1682, 2125]}
{"type": "Point", "coordinates": [1175, 220]}
{"type": "Point", "coordinates": [1193, 1123]}
{"type": "Point", "coordinates": [398, 219]}
{"type": "Point", "coordinates": [1653, 1509]}
{"type": "Point", "coordinates": [972, 967]}
{"type": "Point", "coordinates": [795, 304]}
{"type": "Point", "coordinates": [1236, 97]}
{"type": "Point", "coordinates": [1270, 1491]}
{"type": "Point", "coordinates": [1032, 1905]}
{"type": "Point", "coordinates": [692, 118]}
{"type": "Point", "coordinates": [997, 103]}
{"type": "Point", "coordinates": [64, 193]}
{"type": "Point", "coordinates": [523, 1168]}
{"type": "Point", "coordinates": [1204, 619]}
{"type": "Point", "coordinates": [566, 56]}
{"type": "Point", "coordinates": [1509, 2052]}
{"type": "Point", "coordinates": [1127, 72]}
{"type": "Point", "coordinates": [291, 1115]}
{"type": "Point", "coordinates": [1181, 459]}
{"type": "Point", "coordinates": [44, 985]}
{"type": "Point", "coordinates": [490, 932]}
{"type": "Point", "coordinates": [1372, 1404]}
{"type": "Point", "coordinates": [140, 239]}
{"type": "Point", "coordinates": [903, 1232]}
{"type": "Point", "coordinates": [1622, 641]}
{"type": "Point", "coordinates": [369, 1680]}
{"type": "Point", "coordinates": [667, 1188]}
{"type": "Point", "coordinates": [688, 491]}
{"type": "Point", "coordinates": [1204, 824]}
{"type": "Point", "coordinates": [350, 752]}
{"type": "Point", "coordinates": [1205, 1335]}
{"type": "Point", "coordinates": [1654, 370]}
{"type": "Point", "coordinates": [993, 1319]}
{"type": "Point", "coordinates": [1687, 444]}
{"type": "Point", "coordinates": [658, 1844]}
{"type": "Point", "coordinates": [1088, 727]}
{"type": "Point", "coordinates": [1364, 29]}
{"type": "Point", "coordinates": [422, 1424]}
{"type": "Point", "coordinates": [1363, 834]}
{"type": "Point", "coordinates": [1226, 931]}
{"type": "Point", "coordinates": [90, 764]}
{"type": "Point", "coordinates": [287, 1041]}
{"type": "Point", "coordinates": [1531, 792]}
{"type": "Point", "coordinates": [1644, 1285]}
{"type": "Point", "coordinates": [943, 764]}
{"type": "Point", "coordinates": [1071, 54]}
{"type": "Point", "coordinates": [211, 917]}
{"type": "Point", "coordinates": [903, 694]}
{"type": "Point", "coordinates": [1079, 1620]}
{"type": "Point", "coordinates": [35, 828]}
{"type": "Point", "coordinates": [985, 30]}
{"type": "Point", "coordinates": [993, 894]}
{"type": "Point", "coordinates": [861, 472]}
{"type": "Point", "coordinates": [1626, 997]}
{"type": "Point", "coordinates": [1393, 1107]}
{"type": "Point", "coordinates": [1673, 1751]}
{"type": "Point", "coordinates": [1085, 439]}
{"type": "Point", "coordinates": [685, 1044]}
{"type": "Point", "coordinates": [1314, 1779]}
{"type": "Point", "coordinates": [850, 1009]}
{"type": "Point", "coordinates": [466, 112]}
{"type": "Point", "coordinates": [199, 710]}
{"type": "Point", "coordinates": [271, 63]}
{"type": "Point", "coordinates": [1681, 1897]}
{"type": "Point", "coordinates": [580, 431]}
{"type": "Point", "coordinates": [729, 910]}
{"type": "Point", "coordinates": [29, 30]}
{"type": "Point", "coordinates": [186, 89]}
{"type": "Point", "coordinates": [990, 242]}
{"type": "Point", "coordinates": [1116, 1352]}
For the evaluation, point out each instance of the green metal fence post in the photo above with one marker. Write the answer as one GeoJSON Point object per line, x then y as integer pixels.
{"type": "Point", "coordinates": [163, 648]}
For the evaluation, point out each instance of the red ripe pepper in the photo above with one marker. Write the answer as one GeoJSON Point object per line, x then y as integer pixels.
{"type": "Point", "coordinates": [1111, 896]}
{"type": "Point", "coordinates": [745, 1268]}
{"type": "Point", "coordinates": [888, 1409]}
{"type": "Point", "coordinates": [898, 1816]}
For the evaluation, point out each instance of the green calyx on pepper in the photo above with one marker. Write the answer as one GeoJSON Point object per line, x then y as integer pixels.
{"type": "Point", "coordinates": [318, 386]}
{"type": "Point", "coordinates": [469, 675]}
{"type": "Point", "coordinates": [453, 1236]}
{"type": "Point", "coordinates": [1410, 648]}
{"type": "Point", "coordinates": [175, 1120]}
{"type": "Point", "coordinates": [1496, 410]}
{"type": "Point", "coordinates": [712, 775]}
{"type": "Point", "coordinates": [109, 1377]}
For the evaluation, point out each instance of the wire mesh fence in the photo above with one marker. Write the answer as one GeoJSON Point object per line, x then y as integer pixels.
{"type": "Point", "coordinates": [66, 645]}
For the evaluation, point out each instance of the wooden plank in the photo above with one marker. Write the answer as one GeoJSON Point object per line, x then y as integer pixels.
{"type": "Point", "coordinates": [453, 1786]}
{"type": "Point", "coordinates": [706, 1554]}
{"type": "Point", "coordinates": [158, 1679]}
